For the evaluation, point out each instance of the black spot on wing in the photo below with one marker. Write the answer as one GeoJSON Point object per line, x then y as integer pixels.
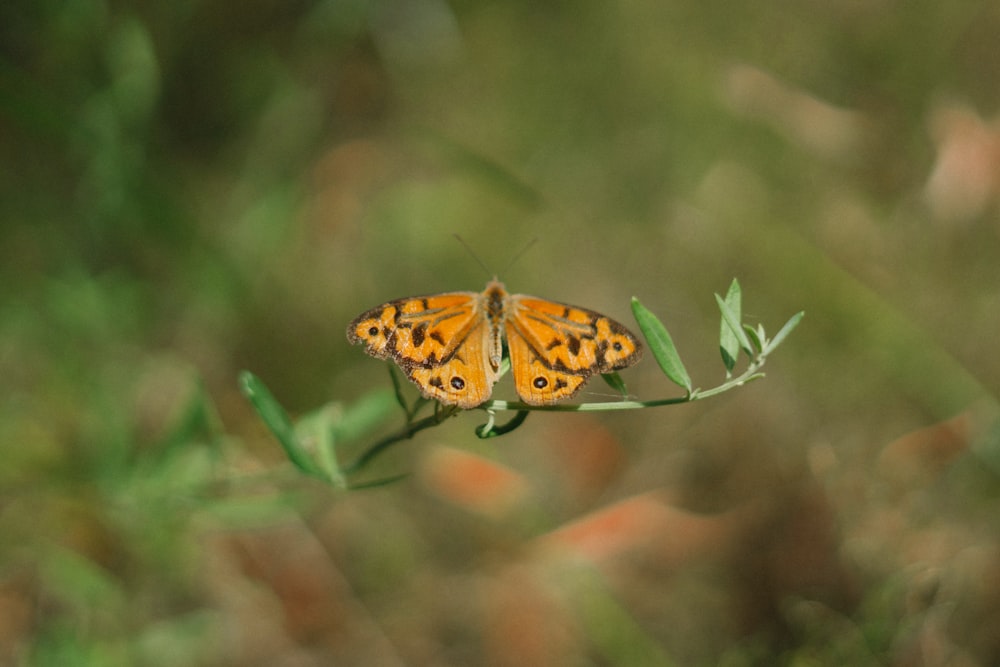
{"type": "Point", "coordinates": [574, 345]}
{"type": "Point", "coordinates": [601, 354]}
{"type": "Point", "coordinates": [419, 333]}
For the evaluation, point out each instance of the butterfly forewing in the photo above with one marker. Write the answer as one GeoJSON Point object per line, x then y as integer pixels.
{"type": "Point", "coordinates": [572, 339]}
{"type": "Point", "coordinates": [555, 348]}
{"type": "Point", "coordinates": [422, 330]}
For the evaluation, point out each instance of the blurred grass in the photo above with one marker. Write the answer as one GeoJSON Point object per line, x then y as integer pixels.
{"type": "Point", "coordinates": [193, 189]}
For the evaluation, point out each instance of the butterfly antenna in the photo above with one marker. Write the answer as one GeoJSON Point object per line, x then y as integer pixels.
{"type": "Point", "coordinates": [472, 254]}
{"type": "Point", "coordinates": [513, 259]}
{"type": "Point", "coordinates": [520, 252]}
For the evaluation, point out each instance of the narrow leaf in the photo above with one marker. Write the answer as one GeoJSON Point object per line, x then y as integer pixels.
{"type": "Point", "coordinates": [755, 337]}
{"type": "Point", "coordinates": [616, 382]}
{"type": "Point", "coordinates": [729, 342]}
{"type": "Point", "coordinates": [731, 319]}
{"type": "Point", "coordinates": [661, 345]}
{"type": "Point", "coordinates": [365, 415]}
{"type": "Point", "coordinates": [785, 330]}
{"type": "Point", "coordinates": [317, 433]}
{"type": "Point", "coordinates": [277, 420]}
{"type": "Point", "coordinates": [761, 336]}
{"type": "Point", "coordinates": [197, 420]}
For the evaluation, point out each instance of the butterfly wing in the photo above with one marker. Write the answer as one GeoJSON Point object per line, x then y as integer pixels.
{"type": "Point", "coordinates": [555, 348]}
{"type": "Point", "coordinates": [536, 383]}
{"type": "Point", "coordinates": [417, 331]}
{"type": "Point", "coordinates": [441, 341]}
{"type": "Point", "coordinates": [466, 379]}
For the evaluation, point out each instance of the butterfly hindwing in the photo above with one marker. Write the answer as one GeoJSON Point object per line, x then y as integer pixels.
{"type": "Point", "coordinates": [467, 378]}
{"type": "Point", "coordinates": [535, 381]}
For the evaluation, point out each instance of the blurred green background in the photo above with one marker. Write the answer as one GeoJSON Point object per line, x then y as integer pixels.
{"type": "Point", "coordinates": [191, 189]}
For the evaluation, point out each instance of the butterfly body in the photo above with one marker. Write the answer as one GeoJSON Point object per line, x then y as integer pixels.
{"type": "Point", "coordinates": [450, 345]}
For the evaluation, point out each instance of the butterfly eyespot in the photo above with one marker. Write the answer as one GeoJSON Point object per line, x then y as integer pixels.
{"type": "Point", "coordinates": [457, 383]}
{"type": "Point", "coordinates": [373, 331]}
{"type": "Point", "coordinates": [539, 383]}
{"type": "Point", "coordinates": [618, 346]}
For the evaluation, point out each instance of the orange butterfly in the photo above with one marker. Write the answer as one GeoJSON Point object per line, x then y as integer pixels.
{"type": "Point", "coordinates": [450, 344]}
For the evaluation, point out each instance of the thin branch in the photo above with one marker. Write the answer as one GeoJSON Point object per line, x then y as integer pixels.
{"type": "Point", "coordinates": [406, 433]}
{"type": "Point", "coordinates": [751, 373]}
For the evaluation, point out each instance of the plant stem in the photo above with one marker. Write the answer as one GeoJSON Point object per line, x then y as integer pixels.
{"type": "Point", "coordinates": [406, 433]}
{"type": "Point", "coordinates": [751, 373]}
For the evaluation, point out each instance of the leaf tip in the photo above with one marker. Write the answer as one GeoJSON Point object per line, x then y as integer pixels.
{"type": "Point", "coordinates": [248, 383]}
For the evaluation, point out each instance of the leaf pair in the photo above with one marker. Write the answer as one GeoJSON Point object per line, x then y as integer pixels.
{"type": "Point", "coordinates": [734, 337]}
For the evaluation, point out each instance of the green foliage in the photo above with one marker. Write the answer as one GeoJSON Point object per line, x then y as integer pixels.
{"type": "Point", "coordinates": [311, 443]}
{"type": "Point", "coordinates": [661, 345]}
{"type": "Point", "coordinates": [190, 189]}
{"type": "Point", "coordinates": [729, 339]}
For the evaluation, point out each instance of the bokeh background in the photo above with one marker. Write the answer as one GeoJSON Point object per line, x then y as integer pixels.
{"type": "Point", "coordinates": [190, 189]}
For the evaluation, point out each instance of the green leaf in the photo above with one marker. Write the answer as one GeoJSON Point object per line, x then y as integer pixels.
{"type": "Point", "coordinates": [785, 330]}
{"type": "Point", "coordinates": [732, 320]}
{"type": "Point", "coordinates": [278, 422]}
{"type": "Point", "coordinates": [761, 336]}
{"type": "Point", "coordinates": [197, 420]}
{"type": "Point", "coordinates": [616, 382]}
{"type": "Point", "coordinates": [729, 342]}
{"type": "Point", "coordinates": [756, 337]}
{"type": "Point", "coordinates": [364, 416]}
{"type": "Point", "coordinates": [661, 345]}
{"type": "Point", "coordinates": [316, 432]}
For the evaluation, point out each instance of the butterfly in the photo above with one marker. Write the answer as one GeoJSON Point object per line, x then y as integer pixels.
{"type": "Point", "coordinates": [450, 345]}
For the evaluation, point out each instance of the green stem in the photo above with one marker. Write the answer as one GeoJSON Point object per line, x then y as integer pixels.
{"type": "Point", "coordinates": [406, 433]}
{"type": "Point", "coordinates": [751, 373]}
